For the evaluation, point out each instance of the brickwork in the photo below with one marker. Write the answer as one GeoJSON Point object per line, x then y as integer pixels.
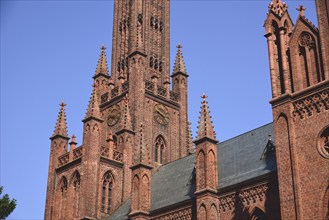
{"type": "Point", "coordinates": [135, 123]}
{"type": "Point", "coordinates": [300, 110]}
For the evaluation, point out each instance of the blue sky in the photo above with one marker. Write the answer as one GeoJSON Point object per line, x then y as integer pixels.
{"type": "Point", "coordinates": [49, 52]}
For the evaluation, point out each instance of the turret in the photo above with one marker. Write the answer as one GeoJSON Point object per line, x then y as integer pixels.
{"type": "Point", "coordinates": [58, 146]}
{"type": "Point", "coordinates": [206, 163]}
{"type": "Point", "coordinates": [180, 86]}
{"type": "Point", "coordinates": [278, 27]}
{"type": "Point", "coordinates": [101, 77]}
{"type": "Point", "coordinates": [91, 144]}
{"type": "Point", "coordinates": [141, 181]}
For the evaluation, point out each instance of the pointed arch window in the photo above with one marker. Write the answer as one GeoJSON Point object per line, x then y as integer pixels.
{"type": "Point", "coordinates": [76, 196]}
{"type": "Point", "coordinates": [63, 186]}
{"type": "Point", "coordinates": [159, 150]}
{"type": "Point", "coordinates": [107, 186]}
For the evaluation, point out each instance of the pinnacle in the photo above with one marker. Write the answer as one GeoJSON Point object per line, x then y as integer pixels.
{"type": "Point", "coordinates": [126, 117]}
{"type": "Point", "coordinates": [102, 63]}
{"type": "Point", "coordinates": [205, 129]}
{"type": "Point", "coordinates": [278, 7]}
{"type": "Point", "coordinates": [93, 107]}
{"type": "Point", "coordinates": [179, 61]}
{"type": "Point", "coordinates": [61, 126]}
{"type": "Point", "coordinates": [143, 154]}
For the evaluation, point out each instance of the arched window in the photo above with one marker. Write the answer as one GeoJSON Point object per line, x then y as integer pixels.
{"type": "Point", "coordinates": [159, 150]}
{"type": "Point", "coordinates": [76, 196]}
{"type": "Point", "coordinates": [107, 186]}
{"type": "Point", "coordinates": [63, 186]}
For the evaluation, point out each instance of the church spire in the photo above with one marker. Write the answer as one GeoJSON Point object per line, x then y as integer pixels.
{"type": "Point", "coordinates": [278, 7]}
{"type": "Point", "coordinates": [205, 128]}
{"type": "Point", "coordinates": [179, 66]}
{"type": "Point", "coordinates": [93, 107]}
{"type": "Point", "coordinates": [61, 126]}
{"type": "Point", "coordinates": [102, 68]}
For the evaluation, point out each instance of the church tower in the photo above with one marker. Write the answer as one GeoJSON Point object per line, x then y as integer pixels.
{"type": "Point", "coordinates": [134, 122]}
{"type": "Point", "coordinates": [298, 57]}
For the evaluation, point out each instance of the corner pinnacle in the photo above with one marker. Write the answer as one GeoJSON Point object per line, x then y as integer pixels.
{"type": "Point", "coordinates": [205, 129]}
{"type": "Point", "coordinates": [61, 126]}
{"type": "Point", "coordinates": [93, 107]}
{"type": "Point", "coordinates": [278, 7]}
{"type": "Point", "coordinates": [102, 63]}
{"type": "Point", "coordinates": [179, 61]}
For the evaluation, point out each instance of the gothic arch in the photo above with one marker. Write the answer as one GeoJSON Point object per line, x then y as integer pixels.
{"type": "Point", "coordinates": [211, 169]}
{"type": "Point", "coordinates": [258, 214]}
{"type": "Point", "coordinates": [160, 149]}
{"type": "Point", "coordinates": [202, 213]}
{"type": "Point", "coordinates": [107, 192]}
{"type": "Point", "coordinates": [63, 185]}
{"type": "Point", "coordinates": [75, 179]}
{"type": "Point", "coordinates": [144, 195]}
{"type": "Point", "coordinates": [74, 198]}
{"type": "Point", "coordinates": [201, 170]}
{"type": "Point", "coordinates": [135, 193]}
{"type": "Point", "coordinates": [213, 213]}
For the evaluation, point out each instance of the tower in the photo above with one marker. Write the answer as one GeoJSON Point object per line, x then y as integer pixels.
{"type": "Point", "coordinates": [134, 122]}
{"type": "Point", "coordinates": [298, 56]}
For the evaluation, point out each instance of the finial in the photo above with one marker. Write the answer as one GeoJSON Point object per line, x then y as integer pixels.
{"type": "Point", "coordinates": [62, 104]}
{"type": "Point", "coordinates": [204, 96]}
{"type": "Point", "coordinates": [103, 47]}
{"type": "Point", "coordinates": [301, 10]}
{"type": "Point", "coordinates": [179, 66]}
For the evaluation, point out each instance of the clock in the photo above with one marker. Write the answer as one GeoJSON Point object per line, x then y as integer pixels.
{"type": "Point", "coordinates": [113, 115]}
{"type": "Point", "coordinates": [161, 114]}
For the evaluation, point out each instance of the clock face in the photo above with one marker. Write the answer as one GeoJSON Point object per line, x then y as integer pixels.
{"type": "Point", "coordinates": [161, 114]}
{"type": "Point", "coordinates": [114, 115]}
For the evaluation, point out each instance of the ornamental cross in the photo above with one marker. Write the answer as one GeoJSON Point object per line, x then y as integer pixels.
{"type": "Point", "coordinates": [301, 10]}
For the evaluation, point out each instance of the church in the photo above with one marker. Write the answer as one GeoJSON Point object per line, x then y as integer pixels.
{"type": "Point", "coordinates": [138, 159]}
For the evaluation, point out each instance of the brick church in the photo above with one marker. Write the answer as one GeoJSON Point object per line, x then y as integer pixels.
{"type": "Point", "coordinates": [138, 160]}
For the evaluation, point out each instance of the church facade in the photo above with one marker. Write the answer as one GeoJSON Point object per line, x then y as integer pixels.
{"type": "Point", "coordinates": [138, 159]}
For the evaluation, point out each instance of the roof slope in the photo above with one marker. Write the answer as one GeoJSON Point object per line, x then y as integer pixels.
{"type": "Point", "coordinates": [239, 159]}
{"type": "Point", "coordinates": [173, 183]}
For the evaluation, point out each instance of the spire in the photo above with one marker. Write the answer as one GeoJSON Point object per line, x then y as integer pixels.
{"type": "Point", "coordinates": [102, 63]}
{"type": "Point", "coordinates": [278, 7]}
{"type": "Point", "coordinates": [93, 107]}
{"type": "Point", "coordinates": [205, 128]}
{"type": "Point", "coordinates": [61, 126]}
{"type": "Point", "coordinates": [179, 61]}
{"type": "Point", "coordinates": [126, 115]}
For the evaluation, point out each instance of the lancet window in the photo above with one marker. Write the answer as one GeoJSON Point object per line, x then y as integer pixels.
{"type": "Point", "coordinates": [63, 186]}
{"type": "Point", "coordinates": [159, 150]}
{"type": "Point", "coordinates": [107, 186]}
